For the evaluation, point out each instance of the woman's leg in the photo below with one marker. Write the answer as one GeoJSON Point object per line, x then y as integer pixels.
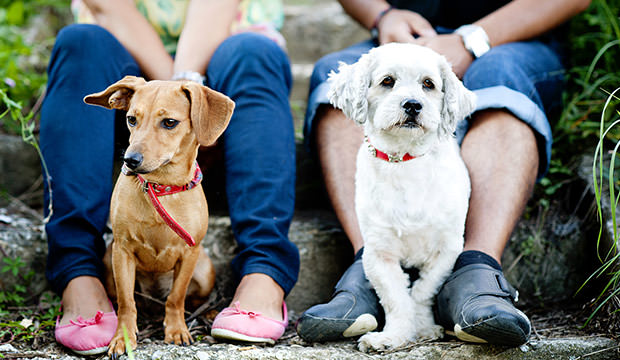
{"type": "Point", "coordinates": [259, 150]}
{"type": "Point", "coordinates": [77, 141]}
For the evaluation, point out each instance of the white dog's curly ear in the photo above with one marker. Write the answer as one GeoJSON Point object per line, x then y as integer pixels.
{"type": "Point", "coordinates": [458, 101]}
{"type": "Point", "coordinates": [349, 88]}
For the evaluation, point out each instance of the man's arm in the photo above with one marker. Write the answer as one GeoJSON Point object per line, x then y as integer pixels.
{"type": "Point", "coordinates": [128, 25]}
{"type": "Point", "coordinates": [516, 21]}
{"type": "Point", "coordinates": [394, 26]}
{"type": "Point", "coordinates": [525, 19]}
{"type": "Point", "coordinates": [207, 24]}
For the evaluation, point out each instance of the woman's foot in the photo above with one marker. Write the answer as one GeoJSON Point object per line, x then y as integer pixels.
{"type": "Point", "coordinates": [88, 321]}
{"type": "Point", "coordinates": [261, 294]}
{"type": "Point", "coordinates": [257, 313]}
{"type": "Point", "coordinates": [84, 296]}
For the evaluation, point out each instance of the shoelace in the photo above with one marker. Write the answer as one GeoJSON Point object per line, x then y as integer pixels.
{"type": "Point", "coordinates": [81, 322]}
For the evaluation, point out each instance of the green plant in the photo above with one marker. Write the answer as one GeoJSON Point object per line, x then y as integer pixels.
{"type": "Point", "coordinates": [14, 109]}
{"type": "Point", "coordinates": [610, 257]}
{"type": "Point", "coordinates": [22, 322]}
{"type": "Point", "coordinates": [593, 72]}
{"type": "Point", "coordinates": [24, 53]}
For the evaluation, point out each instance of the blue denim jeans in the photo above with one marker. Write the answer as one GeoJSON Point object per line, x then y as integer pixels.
{"type": "Point", "coordinates": [78, 142]}
{"type": "Point", "coordinates": [524, 78]}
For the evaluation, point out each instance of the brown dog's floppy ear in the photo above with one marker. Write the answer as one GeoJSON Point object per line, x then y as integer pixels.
{"type": "Point", "coordinates": [210, 112]}
{"type": "Point", "coordinates": [117, 95]}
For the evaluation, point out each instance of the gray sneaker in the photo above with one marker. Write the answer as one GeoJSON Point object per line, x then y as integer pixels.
{"type": "Point", "coordinates": [477, 302]}
{"type": "Point", "coordinates": [353, 310]}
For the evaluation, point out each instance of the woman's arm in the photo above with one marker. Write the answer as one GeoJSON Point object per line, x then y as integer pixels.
{"type": "Point", "coordinates": [128, 25]}
{"type": "Point", "coordinates": [207, 24]}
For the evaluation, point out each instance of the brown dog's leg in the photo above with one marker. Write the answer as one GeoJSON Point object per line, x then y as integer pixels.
{"type": "Point", "coordinates": [110, 288]}
{"type": "Point", "coordinates": [124, 267]}
{"type": "Point", "coordinates": [202, 282]}
{"type": "Point", "coordinates": [175, 329]}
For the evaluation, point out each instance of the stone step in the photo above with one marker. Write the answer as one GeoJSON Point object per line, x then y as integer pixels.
{"type": "Point", "coordinates": [319, 28]}
{"type": "Point", "coordinates": [548, 258]}
{"type": "Point", "coordinates": [591, 348]}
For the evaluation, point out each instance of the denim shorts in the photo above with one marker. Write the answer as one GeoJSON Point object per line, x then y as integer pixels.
{"type": "Point", "coordinates": [524, 78]}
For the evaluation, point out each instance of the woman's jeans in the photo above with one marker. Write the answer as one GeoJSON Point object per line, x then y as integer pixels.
{"type": "Point", "coordinates": [79, 143]}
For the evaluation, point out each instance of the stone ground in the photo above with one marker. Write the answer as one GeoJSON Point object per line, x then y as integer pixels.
{"type": "Point", "coordinates": [550, 255]}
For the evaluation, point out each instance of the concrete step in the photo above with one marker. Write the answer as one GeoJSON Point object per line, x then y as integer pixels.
{"type": "Point", "coordinates": [591, 348]}
{"type": "Point", "coordinates": [548, 258]}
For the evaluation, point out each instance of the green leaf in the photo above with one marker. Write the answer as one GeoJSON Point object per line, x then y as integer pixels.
{"type": "Point", "coordinates": [15, 13]}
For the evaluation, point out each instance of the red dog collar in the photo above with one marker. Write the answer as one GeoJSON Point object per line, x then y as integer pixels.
{"type": "Point", "coordinates": [385, 156]}
{"type": "Point", "coordinates": [155, 190]}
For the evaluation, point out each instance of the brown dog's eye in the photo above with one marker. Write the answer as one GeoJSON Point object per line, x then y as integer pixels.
{"type": "Point", "coordinates": [131, 120]}
{"type": "Point", "coordinates": [169, 123]}
{"type": "Point", "coordinates": [428, 84]}
{"type": "Point", "coordinates": [388, 82]}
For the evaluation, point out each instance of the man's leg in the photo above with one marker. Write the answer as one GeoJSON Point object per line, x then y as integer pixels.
{"type": "Point", "coordinates": [354, 308]}
{"type": "Point", "coordinates": [501, 154]}
{"type": "Point", "coordinates": [338, 140]}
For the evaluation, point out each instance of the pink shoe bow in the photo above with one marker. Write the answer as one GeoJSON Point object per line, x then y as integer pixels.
{"type": "Point", "coordinates": [234, 323]}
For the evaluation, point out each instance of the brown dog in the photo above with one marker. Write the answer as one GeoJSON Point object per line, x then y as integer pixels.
{"type": "Point", "coordinates": [168, 121]}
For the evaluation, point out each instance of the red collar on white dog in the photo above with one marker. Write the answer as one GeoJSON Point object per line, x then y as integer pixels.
{"type": "Point", "coordinates": [154, 190]}
{"type": "Point", "coordinates": [393, 158]}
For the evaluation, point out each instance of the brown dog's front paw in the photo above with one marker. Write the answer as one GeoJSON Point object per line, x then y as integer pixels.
{"type": "Point", "coordinates": [178, 335]}
{"type": "Point", "coordinates": [117, 344]}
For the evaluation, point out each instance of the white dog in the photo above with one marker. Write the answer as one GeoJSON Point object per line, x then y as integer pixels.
{"type": "Point", "coordinates": [412, 187]}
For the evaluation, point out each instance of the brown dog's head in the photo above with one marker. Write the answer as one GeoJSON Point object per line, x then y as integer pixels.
{"type": "Point", "coordinates": [166, 119]}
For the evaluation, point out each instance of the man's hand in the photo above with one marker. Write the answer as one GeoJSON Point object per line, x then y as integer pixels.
{"type": "Point", "coordinates": [451, 46]}
{"type": "Point", "coordinates": [403, 26]}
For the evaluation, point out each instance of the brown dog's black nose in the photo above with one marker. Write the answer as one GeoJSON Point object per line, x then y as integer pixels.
{"type": "Point", "coordinates": [133, 160]}
{"type": "Point", "coordinates": [412, 107]}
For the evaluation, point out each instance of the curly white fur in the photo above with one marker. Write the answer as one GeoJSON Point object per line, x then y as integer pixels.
{"type": "Point", "coordinates": [411, 214]}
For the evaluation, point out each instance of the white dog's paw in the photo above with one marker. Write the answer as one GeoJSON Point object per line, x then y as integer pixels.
{"type": "Point", "coordinates": [380, 341]}
{"type": "Point", "coordinates": [432, 332]}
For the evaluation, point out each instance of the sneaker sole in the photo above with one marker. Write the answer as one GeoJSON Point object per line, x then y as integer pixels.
{"type": "Point", "coordinates": [363, 324]}
{"type": "Point", "coordinates": [231, 335]}
{"type": "Point", "coordinates": [492, 331]}
{"type": "Point", "coordinates": [315, 329]}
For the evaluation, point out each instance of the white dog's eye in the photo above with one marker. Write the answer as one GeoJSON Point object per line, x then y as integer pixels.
{"type": "Point", "coordinates": [428, 84]}
{"type": "Point", "coordinates": [388, 82]}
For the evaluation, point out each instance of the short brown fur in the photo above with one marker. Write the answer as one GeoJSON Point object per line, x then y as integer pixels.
{"type": "Point", "coordinates": [143, 244]}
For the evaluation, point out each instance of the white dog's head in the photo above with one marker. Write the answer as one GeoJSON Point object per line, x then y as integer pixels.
{"type": "Point", "coordinates": [402, 94]}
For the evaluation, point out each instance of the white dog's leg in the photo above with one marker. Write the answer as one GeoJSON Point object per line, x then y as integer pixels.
{"type": "Point", "coordinates": [391, 284]}
{"type": "Point", "coordinates": [423, 292]}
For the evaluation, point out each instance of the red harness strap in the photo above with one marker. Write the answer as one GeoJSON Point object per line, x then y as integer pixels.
{"type": "Point", "coordinates": [155, 190]}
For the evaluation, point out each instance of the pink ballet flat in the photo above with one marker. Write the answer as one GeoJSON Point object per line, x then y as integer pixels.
{"type": "Point", "coordinates": [90, 336]}
{"type": "Point", "coordinates": [233, 323]}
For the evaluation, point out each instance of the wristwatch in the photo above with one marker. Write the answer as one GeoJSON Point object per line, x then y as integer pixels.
{"type": "Point", "coordinates": [475, 39]}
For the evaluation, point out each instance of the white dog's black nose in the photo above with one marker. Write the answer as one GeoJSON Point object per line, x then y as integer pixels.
{"type": "Point", "coordinates": [412, 107]}
{"type": "Point", "coordinates": [133, 160]}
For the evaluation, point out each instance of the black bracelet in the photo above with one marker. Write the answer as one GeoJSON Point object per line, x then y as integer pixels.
{"type": "Point", "coordinates": [374, 30]}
